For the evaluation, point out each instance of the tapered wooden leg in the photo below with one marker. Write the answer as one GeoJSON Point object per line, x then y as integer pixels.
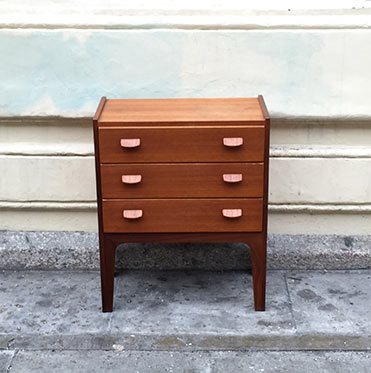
{"type": "Point", "coordinates": [107, 272]}
{"type": "Point", "coordinates": [259, 258]}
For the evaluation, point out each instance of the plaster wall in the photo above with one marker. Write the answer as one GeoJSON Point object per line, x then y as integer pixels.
{"type": "Point", "coordinates": [311, 64]}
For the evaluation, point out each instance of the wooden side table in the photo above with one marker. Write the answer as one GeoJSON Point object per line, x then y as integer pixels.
{"type": "Point", "coordinates": [182, 170]}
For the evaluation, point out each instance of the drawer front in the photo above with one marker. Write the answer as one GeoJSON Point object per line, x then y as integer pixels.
{"type": "Point", "coordinates": [181, 144]}
{"type": "Point", "coordinates": [192, 215]}
{"type": "Point", "coordinates": [182, 180]}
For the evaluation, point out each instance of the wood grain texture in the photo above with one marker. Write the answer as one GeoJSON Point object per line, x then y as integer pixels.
{"type": "Point", "coordinates": [258, 249]}
{"type": "Point", "coordinates": [181, 145]}
{"type": "Point", "coordinates": [248, 238]}
{"type": "Point", "coordinates": [107, 270]}
{"type": "Point", "coordinates": [183, 215]}
{"type": "Point", "coordinates": [182, 111]}
{"type": "Point", "coordinates": [259, 244]}
{"type": "Point", "coordinates": [107, 248]}
{"type": "Point", "coordinates": [192, 180]}
{"type": "Point", "coordinates": [178, 161]}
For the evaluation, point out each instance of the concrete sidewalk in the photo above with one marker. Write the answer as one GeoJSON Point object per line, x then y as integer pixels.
{"type": "Point", "coordinates": [195, 362]}
{"type": "Point", "coordinates": [197, 316]}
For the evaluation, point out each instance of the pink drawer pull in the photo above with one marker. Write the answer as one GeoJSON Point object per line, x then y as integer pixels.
{"type": "Point", "coordinates": [132, 214]}
{"type": "Point", "coordinates": [130, 143]}
{"type": "Point", "coordinates": [131, 179]}
{"type": "Point", "coordinates": [232, 141]}
{"type": "Point", "coordinates": [232, 213]}
{"type": "Point", "coordinates": [232, 178]}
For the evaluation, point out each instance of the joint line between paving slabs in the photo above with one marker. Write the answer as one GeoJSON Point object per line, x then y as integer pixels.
{"type": "Point", "coordinates": [109, 323]}
{"type": "Point", "coordinates": [290, 302]}
{"type": "Point", "coordinates": [9, 367]}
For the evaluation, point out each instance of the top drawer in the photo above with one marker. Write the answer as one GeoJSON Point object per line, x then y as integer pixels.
{"type": "Point", "coordinates": [181, 144]}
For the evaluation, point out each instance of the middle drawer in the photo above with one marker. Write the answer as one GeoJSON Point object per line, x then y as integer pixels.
{"type": "Point", "coordinates": [174, 180]}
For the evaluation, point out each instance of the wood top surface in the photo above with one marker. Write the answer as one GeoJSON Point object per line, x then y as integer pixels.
{"type": "Point", "coordinates": [174, 111]}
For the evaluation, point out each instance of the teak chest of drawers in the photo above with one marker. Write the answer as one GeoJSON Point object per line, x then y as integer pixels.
{"type": "Point", "coordinates": [182, 170]}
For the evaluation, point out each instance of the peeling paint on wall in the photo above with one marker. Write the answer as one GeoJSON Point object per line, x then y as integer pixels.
{"type": "Point", "coordinates": [300, 73]}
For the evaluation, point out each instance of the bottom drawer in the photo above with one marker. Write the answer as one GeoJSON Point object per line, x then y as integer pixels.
{"type": "Point", "coordinates": [183, 215]}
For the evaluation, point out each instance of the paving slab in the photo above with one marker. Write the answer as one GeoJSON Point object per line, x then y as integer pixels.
{"type": "Point", "coordinates": [5, 360]}
{"type": "Point", "coordinates": [198, 302]}
{"type": "Point", "coordinates": [51, 303]}
{"type": "Point", "coordinates": [331, 303]}
{"type": "Point", "coordinates": [185, 311]}
{"type": "Point", "coordinates": [205, 362]}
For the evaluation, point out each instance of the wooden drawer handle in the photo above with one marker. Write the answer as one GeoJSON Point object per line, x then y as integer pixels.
{"type": "Point", "coordinates": [232, 141]}
{"type": "Point", "coordinates": [132, 214]}
{"type": "Point", "coordinates": [131, 179]}
{"type": "Point", "coordinates": [130, 143]}
{"type": "Point", "coordinates": [232, 213]}
{"type": "Point", "coordinates": [232, 178]}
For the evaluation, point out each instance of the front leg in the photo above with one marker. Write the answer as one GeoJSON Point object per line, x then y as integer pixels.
{"type": "Point", "coordinates": [258, 246]}
{"type": "Point", "coordinates": [107, 272]}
